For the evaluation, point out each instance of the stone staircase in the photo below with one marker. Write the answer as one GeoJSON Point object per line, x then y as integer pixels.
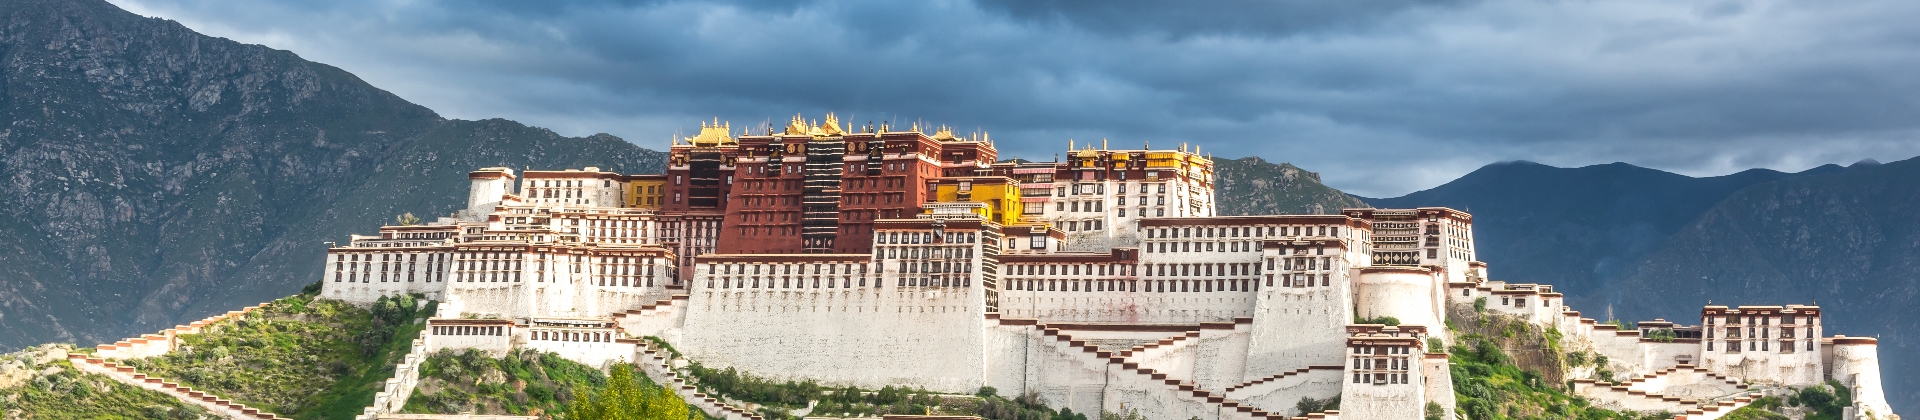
{"type": "Point", "coordinates": [657, 364]}
{"type": "Point", "coordinates": [1665, 378]}
{"type": "Point", "coordinates": [163, 342]}
{"type": "Point", "coordinates": [1182, 398]}
{"type": "Point", "coordinates": [1640, 394]}
{"type": "Point", "coordinates": [1283, 375]}
{"type": "Point", "coordinates": [127, 375]}
{"type": "Point", "coordinates": [394, 392]}
{"type": "Point", "coordinates": [1715, 409]}
{"type": "Point", "coordinates": [652, 319]}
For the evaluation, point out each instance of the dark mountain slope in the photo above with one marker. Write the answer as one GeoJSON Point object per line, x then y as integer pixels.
{"type": "Point", "coordinates": [1849, 240]}
{"type": "Point", "coordinates": [154, 174]}
{"type": "Point", "coordinates": [1575, 228]}
{"type": "Point", "coordinates": [1251, 185]}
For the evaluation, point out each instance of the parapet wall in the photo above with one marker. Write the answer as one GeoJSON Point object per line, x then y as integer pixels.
{"type": "Point", "coordinates": [150, 345]}
{"type": "Point", "coordinates": [127, 375]}
{"type": "Point", "coordinates": [394, 392]}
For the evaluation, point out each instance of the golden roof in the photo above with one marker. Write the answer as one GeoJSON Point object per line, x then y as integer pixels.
{"type": "Point", "coordinates": [714, 134]}
{"type": "Point", "coordinates": [800, 125]}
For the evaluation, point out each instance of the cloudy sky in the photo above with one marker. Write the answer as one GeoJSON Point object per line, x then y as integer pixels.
{"type": "Point", "coordinates": [1382, 97]}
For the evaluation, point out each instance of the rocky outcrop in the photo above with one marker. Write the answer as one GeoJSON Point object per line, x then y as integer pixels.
{"type": "Point", "coordinates": [1251, 185]}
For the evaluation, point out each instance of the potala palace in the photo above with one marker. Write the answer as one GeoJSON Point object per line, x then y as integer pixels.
{"type": "Point", "coordinates": [1103, 281]}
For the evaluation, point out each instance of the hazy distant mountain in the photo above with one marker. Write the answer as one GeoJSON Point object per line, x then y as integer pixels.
{"type": "Point", "coordinates": [1575, 228]}
{"type": "Point", "coordinates": [153, 174]}
{"type": "Point", "coordinates": [1848, 240]}
{"type": "Point", "coordinates": [1658, 244]}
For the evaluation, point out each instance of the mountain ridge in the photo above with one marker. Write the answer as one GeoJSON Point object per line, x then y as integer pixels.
{"type": "Point", "coordinates": [1640, 243]}
{"type": "Point", "coordinates": [156, 175]}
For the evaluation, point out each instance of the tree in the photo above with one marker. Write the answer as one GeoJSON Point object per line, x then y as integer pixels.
{"type": "Point", "coordinates": [625, 398]}
{"type": "Point", "coordinates": [406, 219]}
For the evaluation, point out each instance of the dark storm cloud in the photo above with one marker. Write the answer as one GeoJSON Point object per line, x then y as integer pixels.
{"type": "Point", "coordinates": [1381, 97]}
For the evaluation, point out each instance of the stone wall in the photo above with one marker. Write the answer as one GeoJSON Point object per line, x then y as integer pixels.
{"type": "Point", "coordinates": [928, 337]}
{"type": "Point", "coordinates": [394, 393]}
{"type": "Point", "coordinates": [1856, 364]}
{"type": "Point", "coordinates": [1402, 293]}
{"type": "Point", "coordinates": [127, 375]}
{"type": "Point", "coordinates": [1297, 327]}
{"type": "Point", "coordinates": [150, 345]}
{"type": "Point", "coordinates": [1128, 306]}
{"type": "Point", "coordinates": [1281, 391]}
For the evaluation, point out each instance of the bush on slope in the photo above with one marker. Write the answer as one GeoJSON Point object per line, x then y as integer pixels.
{"type": "Point", "coordinates": [71, 394]}
{"type": "Point", "coordinates": [524, 382]}
{"type": "Point", "coordinates": [300, 357]}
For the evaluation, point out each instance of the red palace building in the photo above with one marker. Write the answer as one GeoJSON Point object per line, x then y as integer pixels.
{"type": "Point", "coordinates": [811, 188]}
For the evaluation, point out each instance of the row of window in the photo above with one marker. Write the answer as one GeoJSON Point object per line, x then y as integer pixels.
{"type": "Point", "coordinates": [1786, 345]}
{"type": "Point", "coordinates": [1240, 232]}
{"type": "Point", "coordinates": [1154, 286]}
{"type": "Point", "coordinates": [1070, 269]}
{"type": "Point", "coordinates": [1188, 246]}
{"type": "Point", "coordinates": [914, 252]}
{"type": "Point", "coordinates": [817, 268]}
{"type": "Point", "coordinates": [891, 238]}
{"type": "Point", "coordinates": [574, 336]}
{"type": "Point", "coordinates": [349, 268]}
{"type": "Point", "coordinates": [1080, 225]}
{"type": "Point", "coordinates": [1764, 319]}
{"type": "Point", "coordinates": [469, 330]}
{"type": "Point", "coordinates": [790, 282]}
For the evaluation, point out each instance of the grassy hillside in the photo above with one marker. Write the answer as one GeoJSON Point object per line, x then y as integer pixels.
{"type": "Point", "coordinates": [300, 357]}
{"type": "Point", "coordinates": [39, 383]}
{"type": "Point", "coordinates": [1506, 368]}
{"type": "Point", "coordinates": [524, 382]}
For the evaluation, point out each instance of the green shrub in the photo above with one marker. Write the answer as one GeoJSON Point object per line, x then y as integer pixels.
{"type": "Point", "coordinates": [300, 357]}
{"type": "Point", "coordinates": [522, 382]}
{"type": "Point", "coordinates": [1383, 320]}
{"type": "Point", "coordinates": [71, 393]}
{"type": "Point", "coordinates": [1487, 385]}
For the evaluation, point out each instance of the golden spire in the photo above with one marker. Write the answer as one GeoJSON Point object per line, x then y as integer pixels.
{"type": "Point", "coordinates": [832, 126]}
{"type": "Point", "coordinates": [796, 125]}
{"type": "Point", "coordinates": [714, 134]}
{"type": "Point", "coordinates": [1103, 143]}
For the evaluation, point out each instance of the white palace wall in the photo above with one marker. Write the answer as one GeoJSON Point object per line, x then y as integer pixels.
{"type": "Point", "coordinates": [1399, 292]}
{"type": "Point", "coordinates": [362, 275]}
{"type": "Point", "coordinates": [867, 337]}
{"type": "Point", "coordinates": [1297, 327]}
{"type": "Point", "coordinates": [1220, 354]}
{"type": "Point", "coordinates": [495, 337]}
